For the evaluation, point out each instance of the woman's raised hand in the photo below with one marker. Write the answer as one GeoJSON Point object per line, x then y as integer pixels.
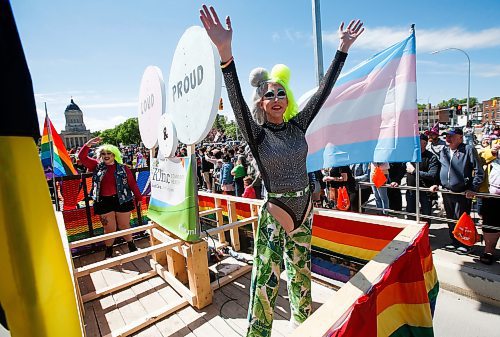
{"type": "Point", "coordinates": [350, 34]}
{"type": "Point", "coordinates": [220, 35]}
{"type": "Point", "coordinates": [94, 141]}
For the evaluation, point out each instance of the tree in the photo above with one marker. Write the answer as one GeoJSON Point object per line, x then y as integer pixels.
{"type": "Point", "coordinates": [109, 136]}
{"type": "Point", "coordinates": [472, 101]}
{"type": "Point", "coordinates": [128, 132]}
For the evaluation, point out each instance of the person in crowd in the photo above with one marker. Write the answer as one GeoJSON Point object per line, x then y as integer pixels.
{"type": "Point", "coordinates": [485, 157]}
{"type": "Point", "coordinates": [490, 206]}
{"type": "Point", "coordinates": [485, 142]}
{"type": "Point", "coordinates": [206, 168]}
{"type": "Point", "coordinates": [226, 179]}
{"type": "Point", "coordinates": [468, 131]}
{"type": "Point", "coordinates": [381, 197]}
{"type": "Point", "coordinates": [275, 132]}
{"type": "Point", "coordinates": [340, 177]}
{"type": "Point", "coordinates": [249, 190]}
{"type": "Point", "coordinates": [217, 186]}
{"type": "Point", "coordinates": [429, 176]}
{"type": "Point", "coordinates": [239, 172]}
{"type": "Point", "coordinates": [486, 129]}
{"type": "Point", "coordinates": [253, 171]}
{"type": "Point", "coordinates": [114, 190]}
{"type": "Point", "coordinates": [435, 144]}
{"type": "Point", "coordinates": [361, 174]}
{"type": "Point", "coordinates": [397, 172]}
{"type": "Point", "coordinates": [461, 171]}
{"type": "Point", "coordinates": [317, 186]}
{"type": "Point", "coordinates": [183, 152]}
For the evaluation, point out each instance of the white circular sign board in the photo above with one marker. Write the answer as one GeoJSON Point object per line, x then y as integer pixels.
{"type": "Point", "coordinates": [194, 86]}
{"type": "Point", "coordinates": [151, 105]}
{"type": "Point", "coordinates": [167, 137]}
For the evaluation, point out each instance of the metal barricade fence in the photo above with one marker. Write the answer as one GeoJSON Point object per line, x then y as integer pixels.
{"type": "Point", "coordinates": [413, 188]}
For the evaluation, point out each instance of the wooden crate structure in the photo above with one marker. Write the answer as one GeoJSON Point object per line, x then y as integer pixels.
{"type": "Point", "coordinates": [378, 295]}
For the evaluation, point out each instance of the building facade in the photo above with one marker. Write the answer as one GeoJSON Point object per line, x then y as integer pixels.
{"type": "Point", "coordinates": [491, 111]}
{"type": "Point", "coordinates": [75, 133]}
{"type": "Point", "coordinates": [428, 117]}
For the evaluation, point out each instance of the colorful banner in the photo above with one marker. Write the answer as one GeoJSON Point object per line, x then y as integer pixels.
{"type": "Point", "coordinates": [370, 115]}
{"type": "Point", "coordinates": [173, 202]}
{"type": "Point", "coordinates": [401, 303]}
{"type": "Point", "coordinates": [55, 159]}
{"type": "Point", "coordinates": [37, 292]}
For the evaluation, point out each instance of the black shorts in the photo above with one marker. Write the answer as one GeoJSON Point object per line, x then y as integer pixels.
{"type": "Point", "coordinates": [108, 204]}
{"type": "Point", "coordinates": [489, 212]}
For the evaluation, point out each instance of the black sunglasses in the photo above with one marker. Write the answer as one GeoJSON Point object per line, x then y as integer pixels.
{"type": "Point", "coordinates": [270, 95]}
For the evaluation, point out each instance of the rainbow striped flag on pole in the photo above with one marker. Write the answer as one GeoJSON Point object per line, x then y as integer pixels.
{"type": "Point", "coordinates": [55, 159]}
{"type": "Point", "coordinates": [371, 114]}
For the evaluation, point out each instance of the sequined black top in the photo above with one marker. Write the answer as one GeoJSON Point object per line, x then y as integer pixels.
{"type": "Point", "coordinates": [281, 149]}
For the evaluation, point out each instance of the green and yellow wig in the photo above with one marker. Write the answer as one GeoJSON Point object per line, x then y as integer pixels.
{"type": "Point", "coordinates": [279, 74]}
{"type": "Point", "coordinates": [113, 149]}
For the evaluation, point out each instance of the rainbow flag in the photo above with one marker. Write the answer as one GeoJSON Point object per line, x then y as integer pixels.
{"type": "Point", "coordinates": [371, 114]}
{"type": "Point", "coordinates": [55, 159]}
{"type": "Point", "coordinates": [401, 303]}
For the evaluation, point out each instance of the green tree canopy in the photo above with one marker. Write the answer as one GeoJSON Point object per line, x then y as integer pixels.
{"type": "Point", "coordinates": [454, 102]}
{"type": "Point", "coordinates": [125, 133]}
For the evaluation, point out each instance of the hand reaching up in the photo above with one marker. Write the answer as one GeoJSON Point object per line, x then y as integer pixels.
{"type": "Point", "coordinates": [350, 34]}
{"type": "Point", "coordinates": [94, 141]}
{"type": "Point", "coordinates": [220, 35]}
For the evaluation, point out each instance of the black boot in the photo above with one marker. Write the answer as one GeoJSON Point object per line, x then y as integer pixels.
{"type": "Point", "coordinates": [131, 246]}
{"type": "Point", "coordinates": [109, 252]}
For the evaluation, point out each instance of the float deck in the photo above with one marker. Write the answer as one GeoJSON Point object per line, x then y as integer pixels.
{"type": "Point", "coordinates": [118, 309]}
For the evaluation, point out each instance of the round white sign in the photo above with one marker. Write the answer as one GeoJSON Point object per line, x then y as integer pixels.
{"type": "Point", "coordinates": [151, 105]}
{"type": "Point", "coordinates": [167, 137]}
{"type": "Point", "coordinates": [194, 86]}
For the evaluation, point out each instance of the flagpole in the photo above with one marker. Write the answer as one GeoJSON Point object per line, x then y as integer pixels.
{"type": "Point", "coordinates": [51, 147]}
{"type": "Point", "coordinates": [318, 47]}
{"type": "Point", "coordinates": [417, 168]}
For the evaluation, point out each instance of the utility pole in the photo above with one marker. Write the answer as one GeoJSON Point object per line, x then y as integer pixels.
{"type": "Point", "coordinates": [318, 46]}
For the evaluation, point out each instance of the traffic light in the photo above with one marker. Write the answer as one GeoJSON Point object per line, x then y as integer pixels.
{"type": "Point", "coordinates": [451, 113]}
{"type": "Point", "coordinates": [221, 105]}
{"type": "Point", "coordinates": [459, 110]}
{"type": "Point", "coordinates": [494, 103]}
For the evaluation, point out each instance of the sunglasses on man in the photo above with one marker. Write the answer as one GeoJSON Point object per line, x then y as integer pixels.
{"type": "Point", "coordinates": [271, 94]}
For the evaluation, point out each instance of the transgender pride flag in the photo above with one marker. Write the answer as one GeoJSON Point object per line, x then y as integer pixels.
{"type": "Point", "coordinates": [371, 113]}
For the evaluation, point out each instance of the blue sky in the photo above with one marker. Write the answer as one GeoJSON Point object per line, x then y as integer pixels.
{"type": "Point", "coordinates": [96, 51]}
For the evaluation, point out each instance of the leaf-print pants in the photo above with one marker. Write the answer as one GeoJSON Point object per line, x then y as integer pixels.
{"type": "Point", "coordinates": [273, 244]}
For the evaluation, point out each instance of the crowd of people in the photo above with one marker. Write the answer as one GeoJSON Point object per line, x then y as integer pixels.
{"type": "Point", "coordinates": [448, 162]}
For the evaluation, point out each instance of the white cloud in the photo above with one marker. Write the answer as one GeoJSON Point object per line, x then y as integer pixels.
{"type": "Point", "coordinates": [378, 38]}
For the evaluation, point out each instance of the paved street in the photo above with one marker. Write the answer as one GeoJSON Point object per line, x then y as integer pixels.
{"type": "Point", "coordinates": [459, 316]}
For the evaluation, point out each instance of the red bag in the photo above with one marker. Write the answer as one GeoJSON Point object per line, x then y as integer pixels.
{"type": "Point", "coordinates": [343, 202]}
{"type": "Point", "coordinates": [465, 231]}
{"type": "Point", "coordinates": [378, 177]}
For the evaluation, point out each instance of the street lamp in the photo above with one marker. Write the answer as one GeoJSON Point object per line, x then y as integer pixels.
{"type": "Point", "coordinates": [468, 79]}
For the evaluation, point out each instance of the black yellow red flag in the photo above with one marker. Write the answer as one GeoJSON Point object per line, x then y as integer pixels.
{"type": "Point", "coordinates": [37, 293]}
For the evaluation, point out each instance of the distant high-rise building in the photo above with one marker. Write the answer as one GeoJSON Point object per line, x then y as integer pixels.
{"type": "Point", "coordinates": [75, 133]}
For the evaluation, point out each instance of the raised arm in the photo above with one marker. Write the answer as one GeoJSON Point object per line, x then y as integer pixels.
{"type": "Point", "coordinates": [222, 37]}
{"type": "Point", "coordinates": [346, 39]}
{"type": "Point", "coordinates": [83, 155]}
